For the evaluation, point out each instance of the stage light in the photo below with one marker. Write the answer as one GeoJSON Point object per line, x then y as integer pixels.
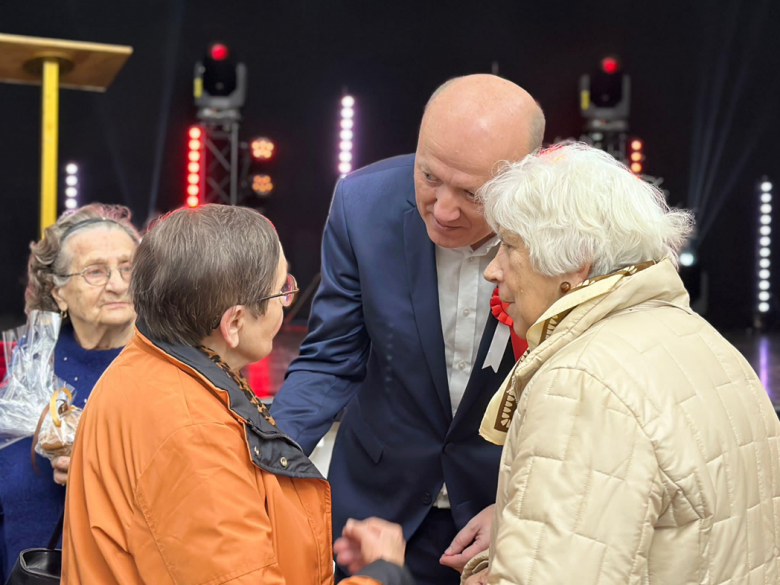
{"type": "Point", "coordinates": [71, 185]}
{"type": "Point", "coordinates": [636, 168]}
{"type": "Point", "coordinates": [71, 192]}
{"type": "Point", "coordinates": [636, 145]}
{"type": "Point", "coordinates": [687, 259]}
{"type": "Point", "coordinates": [766, 186]}
{"type": "Point", "coordinates": [71, 180]}
{"type": "Point", "coordinates": [262, 184]}
{"type": "Point", "coordinates": [763, 274]}
{"type": "Point", "coordinates": [763, 307]}
{"type": "Point", "coordinates": [766, 208]}
{"type": "Point", "coordinates": [609, 65]}
{"type": "Point", "coordinates": [195, 144]}
{"type": "Point", "coordinates": [763, 284]}
{"type": "Point", "coordinates": [764, 241]}
{"type": "Point", "coordinates": [262, 148]}
{"type": "Point", "coordinates": [766, 198]}
{"type": "Point", "coordinates": [636, 156]}
{"type": "Point", "coordinates": [764, 252]}
{"type": "Point", "coordinates": [71, 203]}
{"type": "Point", "coordinates": [765, 230]}
{"type": "Point", "coordinates": [765, 263]}
{"type": "Point", "coordinates": [219, 52]}
{"type": "Point", "coordinates": [71, 169]}
{"type": "Point", "coordinates": [766, 219]}
{"type": "Point", "coordinates": [346, 134]}
{"type": "Point", "coordinates": [763, 296]}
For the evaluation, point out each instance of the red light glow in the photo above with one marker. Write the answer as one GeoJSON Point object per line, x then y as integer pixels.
{"type": "Point", "coordinates": [636, 167]}
{"type": "Point", "coordinates": [193, 189]}
{"type": "Point", "coordinates": [193, 167]}
{"type": "Point", "coordinates": [194, 156]}
{"type": "Point", "coordinates": [609, 65]}
{"type": "Point", "coordinates": [193, 179]}
{"type": "Point", "coordinates": [194, 144]}
{"type": "Point", "coordinates": [219, 52]}
{"type": "Point", "coordinates": [195, 133]}
{"type": "Point", "coordinates": [193, 201]}
{"type": "Point", "coordinates": [636, 145]}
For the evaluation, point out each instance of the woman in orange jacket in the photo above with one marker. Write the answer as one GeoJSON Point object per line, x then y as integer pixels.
{"type": "Point", "coordinates": [179, 474]}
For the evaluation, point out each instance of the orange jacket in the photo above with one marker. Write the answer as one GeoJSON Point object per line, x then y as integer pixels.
{"type": "Point", "coordinates": [176, 477]}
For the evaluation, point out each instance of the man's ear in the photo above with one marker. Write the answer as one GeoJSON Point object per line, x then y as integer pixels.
{"type": "Point", "coordinates": [231, 324]}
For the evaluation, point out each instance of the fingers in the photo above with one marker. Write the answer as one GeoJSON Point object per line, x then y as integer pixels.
{"type": "Point", "coordinates": [463, 538]}
{"type": "Point", "coordinates": [61, 463]}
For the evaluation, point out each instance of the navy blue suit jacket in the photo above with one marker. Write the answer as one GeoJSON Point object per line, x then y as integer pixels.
{"type": "Point", "coordinates": [375, 346]}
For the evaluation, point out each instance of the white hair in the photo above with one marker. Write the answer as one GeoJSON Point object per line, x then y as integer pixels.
{"type": "Point", "coordinates": [574, 205]}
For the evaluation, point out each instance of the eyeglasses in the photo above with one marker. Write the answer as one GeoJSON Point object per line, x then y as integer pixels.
{"type": "Point", "coordinates": [100, 274]}
{"type": "Point", "coordinates": [289, 290]}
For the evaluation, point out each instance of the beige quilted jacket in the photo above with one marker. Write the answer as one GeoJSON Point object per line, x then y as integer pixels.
{"type": "Point", "coordinates": [643, 450]}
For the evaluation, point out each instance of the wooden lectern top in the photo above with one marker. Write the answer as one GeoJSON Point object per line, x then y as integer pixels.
{"type": "Point", "coordinates": [87, 66]}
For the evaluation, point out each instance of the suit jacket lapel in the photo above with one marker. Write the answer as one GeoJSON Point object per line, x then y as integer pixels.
{"type": "Point", "coordinates": [424, 287]}
{"type": "Point", "coordinates": [483, 383]}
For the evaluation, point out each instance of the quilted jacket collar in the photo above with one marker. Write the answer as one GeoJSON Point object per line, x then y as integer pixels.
{"type": "Point", "coordinates": [572, 316]}
{"type": "Point", "coordinates": [270, 449]}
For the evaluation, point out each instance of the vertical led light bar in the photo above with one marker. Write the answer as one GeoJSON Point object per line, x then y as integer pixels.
{"type": "Point", "coordinates": [346, 134]}
{"type": "Point", "coordinates": [194, 165]}
{"type": "Point", "coordinates": [764, 245]}
{"type": "Point", "coordinates": [71, 186]}
{"type": "Point", "coordinates": [637, 156]}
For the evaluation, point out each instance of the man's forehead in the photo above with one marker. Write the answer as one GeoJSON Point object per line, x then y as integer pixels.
{"type": "Point", "coordinates": [461, 173]}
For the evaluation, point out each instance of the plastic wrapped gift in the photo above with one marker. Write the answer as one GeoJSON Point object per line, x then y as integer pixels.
{"type": "Point", "coordinates": [58, 426]}
{"type": "Point", "coordinates": [30, 381]}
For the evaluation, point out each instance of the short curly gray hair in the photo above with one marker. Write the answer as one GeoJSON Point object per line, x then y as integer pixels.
{"type": "Point", "coordinates": [574, 205]}
{"type": "Point", "coordinates": [49, 257]}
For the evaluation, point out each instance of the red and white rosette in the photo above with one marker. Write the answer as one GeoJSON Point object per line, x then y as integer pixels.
{"type": "Point", "coordinates": [504, 332]}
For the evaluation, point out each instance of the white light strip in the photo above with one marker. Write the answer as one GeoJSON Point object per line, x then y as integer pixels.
{"type": "Point", "coordinates": [764, 246]}
{"type": "Point", "coordinates": [72, 188]}
{"type": "Point", "coordinates": [346, 134]}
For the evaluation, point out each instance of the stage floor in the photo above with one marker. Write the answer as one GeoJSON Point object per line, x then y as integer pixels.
{"type": "Point", "coordinates": [762, 351]}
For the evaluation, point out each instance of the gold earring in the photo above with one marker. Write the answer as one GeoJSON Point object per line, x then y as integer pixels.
{"type": "Point", "coordinates": [64, 314]}
{"type": "Point", "coordinates": [565, 287]}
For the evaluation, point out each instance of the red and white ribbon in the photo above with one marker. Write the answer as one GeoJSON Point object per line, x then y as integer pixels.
{"type": "Point", "coordinates": [504, 332]}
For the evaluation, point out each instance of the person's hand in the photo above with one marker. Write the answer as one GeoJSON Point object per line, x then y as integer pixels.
{"type": "Point", "coordinates": [480, 578]}
{"type": "Point", "coordinates": [469, 542]}
{"type": "Point", "coordinates": [366, 541]}
{"type": "Point", "coordinates": [61, 465]}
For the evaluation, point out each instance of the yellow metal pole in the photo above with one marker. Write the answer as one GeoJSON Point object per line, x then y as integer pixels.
{"type": "Point", "coordinates": [49, 139]}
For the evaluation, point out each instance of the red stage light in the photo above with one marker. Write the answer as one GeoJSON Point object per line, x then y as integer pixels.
{"type": "Point", "coordinates": [219, 52]}
{"type": "Point", "coordinates": [609, 65]}
{"type": "Point", "coordinates": [636, 145]}
{"type": "Point", "coordinates": [194, 144]}
{"type": "Point", "coordinates": [193, 167]}
{"type": "Point", "coordinates": [195, 133]}
{"type": "Point", "coordinates": [193, 201]}
{"type": "Point", "coordinates": [194, 156]}
{"type": "Point", "coordinates": [193, 179]}
{"type": "Point", "coordinates": [636, 167]}
{"type": "Point", "coordinates": [193, 189]}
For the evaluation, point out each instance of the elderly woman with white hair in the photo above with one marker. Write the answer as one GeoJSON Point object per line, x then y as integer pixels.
{"type": "Point", "coordinates": [639, 445]}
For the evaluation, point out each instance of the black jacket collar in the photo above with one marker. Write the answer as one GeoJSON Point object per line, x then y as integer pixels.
{"type": "Point", "coordinates": [270, 449]}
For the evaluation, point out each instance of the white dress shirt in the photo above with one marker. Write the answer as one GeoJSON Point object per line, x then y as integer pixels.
{"type": "Point", "coordinates": [464, 304]}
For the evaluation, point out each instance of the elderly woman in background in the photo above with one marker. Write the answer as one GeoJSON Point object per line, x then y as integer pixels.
{"type": "Point", "coordinates": [639, 445]}
{"type": "Point", "coordinates": [192, 482]}
{"type": "Point", "coordinates": [81, 269]}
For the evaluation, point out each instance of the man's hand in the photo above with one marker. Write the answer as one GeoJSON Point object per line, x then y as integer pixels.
{"type": "Point", "coordinates": [366, 541]}
{"type": "Point", "coordinates": [469, 542]}
{"type": "Point", "coordinates": [61, 465]}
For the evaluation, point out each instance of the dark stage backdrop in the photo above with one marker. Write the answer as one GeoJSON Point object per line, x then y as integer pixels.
{"type": "Point", "coordinates": [301, 55]}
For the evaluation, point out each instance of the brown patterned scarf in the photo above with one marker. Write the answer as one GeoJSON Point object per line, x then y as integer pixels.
{"type": "Point", "coordinates": [240, 381]}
